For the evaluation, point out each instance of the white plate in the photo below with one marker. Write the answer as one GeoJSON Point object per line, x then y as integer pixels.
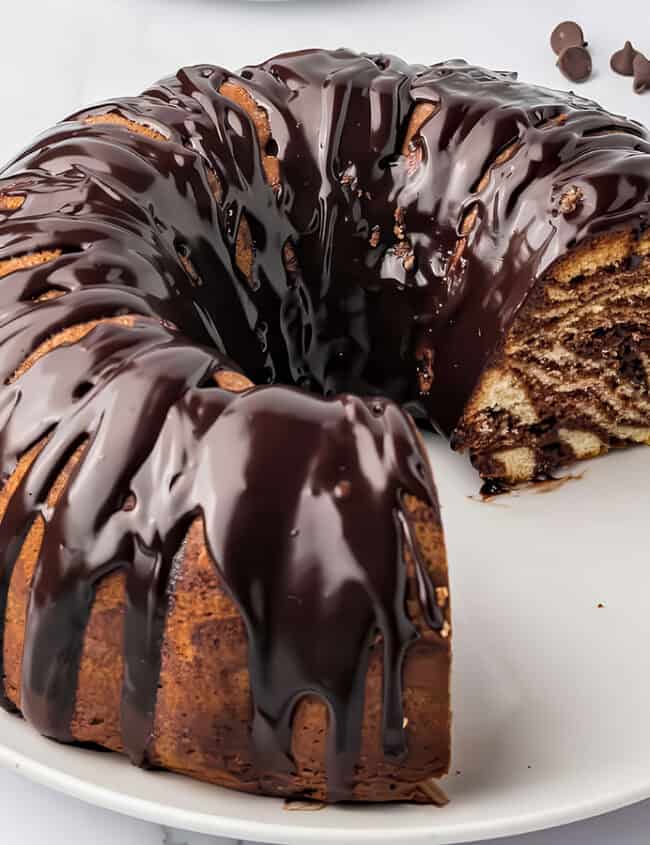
{"type": "Point", "coordinates": [551, 691]}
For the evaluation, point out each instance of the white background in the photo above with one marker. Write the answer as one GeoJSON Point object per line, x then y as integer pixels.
{"type": "Point", "coordinates": [57, 55]}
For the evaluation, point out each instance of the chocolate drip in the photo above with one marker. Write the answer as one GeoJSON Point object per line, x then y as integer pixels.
{"type": "Point", "coordinates": [340, 119]}
{"type": "Point", "coordinates": [359, 316]}
{"type": "Point", "coordinates": [318, 561]}
{"type": "Point", "coordinates": [153, 431]}
{"type": "Point", "coordinates": [408, 270]}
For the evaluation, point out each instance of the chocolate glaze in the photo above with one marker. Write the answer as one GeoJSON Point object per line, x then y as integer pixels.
{"type": "Point", "coordinates": [131, 214]}
{"type": "Point", "coordinates": [357, 317]}
{"type": "Point", "coordinates": [376, 320]}
{"type": "Point", "coordinates": [321, 481]}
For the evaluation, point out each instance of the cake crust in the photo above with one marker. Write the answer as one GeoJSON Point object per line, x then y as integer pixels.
{"type": "Point", "coordinates": [203, 709]}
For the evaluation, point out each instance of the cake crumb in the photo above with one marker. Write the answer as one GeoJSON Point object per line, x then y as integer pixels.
{"type": "Point", "coordinates": [303, 805]}
{"type": "Point", "coordinates": [442, 594]}
{"type": "Point", "coordinates": [550, 483]}
{"type": "Point", "coordinates": [570, 200]}
{"type": "Point", "coordinates": [434, 792]}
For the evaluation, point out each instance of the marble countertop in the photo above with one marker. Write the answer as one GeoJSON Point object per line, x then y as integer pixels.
{"type": "Point", "coordinates": [58, 55]}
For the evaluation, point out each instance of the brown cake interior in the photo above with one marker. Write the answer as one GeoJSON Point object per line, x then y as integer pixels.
{"type": "Point", "coordinates": [571, 379]}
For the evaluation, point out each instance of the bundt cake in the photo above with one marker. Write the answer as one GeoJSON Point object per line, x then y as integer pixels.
{"type": "Point", "coordinates": [244, 584]}
{"type": "Point", "coordinates": [248, 584]}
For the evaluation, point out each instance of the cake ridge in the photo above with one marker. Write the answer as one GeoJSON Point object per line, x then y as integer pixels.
{"type": "Point", "coordinates": [46, 699]}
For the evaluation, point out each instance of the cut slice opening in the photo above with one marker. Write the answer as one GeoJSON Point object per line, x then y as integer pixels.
{"type": "Point", "coordinates": [572, 380]}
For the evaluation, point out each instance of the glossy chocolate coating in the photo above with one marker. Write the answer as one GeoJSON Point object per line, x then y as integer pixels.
{"type": "Point", "coordinates": [575, 63]}
{"type": "Point", "coordinates": [356, 316]}
{"type": "Point", "coordinates": [300, 496]}
{"type": "Point", "coordinates": [374, 320]}
{"type": "Point", "coordinates": [359, 314]}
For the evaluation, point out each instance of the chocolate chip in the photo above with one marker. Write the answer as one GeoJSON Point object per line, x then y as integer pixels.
{"type": "Point", "coordinates": [641, 68]}
{"type": "Point", "coordinates": [575, 63]}
{"type": "Point", "coordinates": [567, 34]}
{"type": "Point", "coordinates": [622, 61]}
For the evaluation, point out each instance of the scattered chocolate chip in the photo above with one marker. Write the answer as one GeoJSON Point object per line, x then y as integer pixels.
{"type": "Point", "coordinates": [575, 63]}
{"type": "Point", "coordinates": [567, 34]}
{"type": "Point", "coordinates": [622, 61]}
{"type": "Point", "coordinates": [641, 67]}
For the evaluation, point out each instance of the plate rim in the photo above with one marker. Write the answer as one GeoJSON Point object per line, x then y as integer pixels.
{"type": "Point", "coordinates": [216, 824]}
